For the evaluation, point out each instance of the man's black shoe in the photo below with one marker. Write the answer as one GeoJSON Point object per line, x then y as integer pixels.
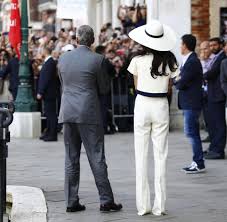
{"type": "Point", "coordinates": [206, 140]}
{"type": "Point", "coordinates": [43, 137]}
{"type": "Point", "coordinates": [50, 139]}
{"type": "Point", "coordinates": [76, 208]}
{"type": "Point", "coordinates": [44, 134]}
{"type": "Point", "coordinates": [214, 156]}
{"type": "Point", "coordinates": [112, 207]}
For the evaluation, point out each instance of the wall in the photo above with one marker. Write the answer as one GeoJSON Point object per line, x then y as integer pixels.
{"type": "Point", "coordinates": [215, 16]}
{"type": "Point", "coordinates": [177, 14]}
{"type": "Point", "coordinates": [201, 19]}
{"type": "Point", "coordinates": [34, 14]}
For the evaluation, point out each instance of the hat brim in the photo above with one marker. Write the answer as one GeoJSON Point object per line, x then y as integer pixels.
{"type": "Point", "coordinates": [165, 43]}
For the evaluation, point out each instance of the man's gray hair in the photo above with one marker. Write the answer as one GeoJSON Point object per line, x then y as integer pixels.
{"type": "Point", "coordinates": [85, 35]}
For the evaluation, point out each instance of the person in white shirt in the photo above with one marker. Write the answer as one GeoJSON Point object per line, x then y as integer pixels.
{"type": "Point", "coordinates": [152, 70]}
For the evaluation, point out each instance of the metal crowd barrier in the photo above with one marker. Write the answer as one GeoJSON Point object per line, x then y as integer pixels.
{"type": "Point", "coordinates": [6, 118]}
{"type": "Point", "coordinates": [122, 100]}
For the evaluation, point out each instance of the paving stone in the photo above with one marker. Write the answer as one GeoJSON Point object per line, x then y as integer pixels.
{"type": "Point", "coordinates": [190, 197]}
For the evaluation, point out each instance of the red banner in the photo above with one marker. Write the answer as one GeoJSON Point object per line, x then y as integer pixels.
{"type": "Point", "coordinates": [15, 27]}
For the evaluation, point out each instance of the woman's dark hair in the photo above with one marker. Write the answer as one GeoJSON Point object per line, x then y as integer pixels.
{"type": "Point", "coordinates": [164, 58]}
{"type": "Point", "coordinates": [139, 14]}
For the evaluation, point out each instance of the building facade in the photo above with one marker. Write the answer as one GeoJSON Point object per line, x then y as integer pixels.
{"type": "Point", "coordinates": [5, 16]}
{"type": "Point", "coordinates": [105, 11]}
{"type": "Point", "coordinates": [208, 18]}
{"type": "Point", "coordinates": [203, 18]}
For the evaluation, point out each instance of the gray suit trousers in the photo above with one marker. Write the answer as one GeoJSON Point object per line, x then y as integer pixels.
{"type": "Point", "coordinates": [92, 138]}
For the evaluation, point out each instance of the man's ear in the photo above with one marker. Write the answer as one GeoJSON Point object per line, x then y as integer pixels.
{"type": "Point", "coordinates": [93, 40]}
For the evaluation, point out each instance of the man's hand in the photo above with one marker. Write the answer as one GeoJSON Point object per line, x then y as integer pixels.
{"type": "Point", "coordinates": [177, 78]}
{"type": "Point", "coordinates": [39, 96]}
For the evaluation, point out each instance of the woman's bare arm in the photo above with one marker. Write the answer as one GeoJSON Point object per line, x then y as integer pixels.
{"type": "Point", "coordinates": [135, 81]}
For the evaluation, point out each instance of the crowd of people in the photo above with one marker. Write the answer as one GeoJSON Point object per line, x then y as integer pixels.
{"type": "Point", "coordinates": [42, 45]}
{"type": "Point", "coordinates": [201, 81]}
{"type": "Point", "coordinates": [114, 43]}
{"type": "Point", "coordinates": [117, 50]}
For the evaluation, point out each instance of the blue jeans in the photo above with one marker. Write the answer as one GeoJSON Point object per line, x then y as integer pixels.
{"type": "Point", "coordinates": [192, 131]}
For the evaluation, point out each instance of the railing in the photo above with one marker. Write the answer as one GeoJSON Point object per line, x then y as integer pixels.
{"type": "Point", "coordinates": [122, 101]}
{"type": "Point", "coordinates": [6, 118]}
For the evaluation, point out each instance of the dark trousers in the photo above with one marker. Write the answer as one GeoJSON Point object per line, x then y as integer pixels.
{"type": "Point", "coordinates": [192, 131]}
{"type": "Point", "coordinates": [14, 93]}
{"type": "Point", "coordinates": [104, 100]}
{"type": "Point", "coordinates": [205, 112]}
{"type": "Point", "coordinates": [51, 115]}
{"type": "Point", "coordinates": [92, 137]}
{"type": "Point", "coordinates": [217, 126]}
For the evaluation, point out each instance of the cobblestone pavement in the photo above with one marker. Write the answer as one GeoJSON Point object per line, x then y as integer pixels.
{"type": "Point", "coordinates": [190, 197]}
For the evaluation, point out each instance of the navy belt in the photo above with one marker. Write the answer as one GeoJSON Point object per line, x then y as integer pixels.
{"type": "Point", "coordinates": [156, 95]}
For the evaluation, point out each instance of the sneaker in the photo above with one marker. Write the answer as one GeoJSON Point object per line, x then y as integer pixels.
{"type": "Point", "coordinates": [194, 169]}
{"type": "Point", "coordinates": [190, 166]}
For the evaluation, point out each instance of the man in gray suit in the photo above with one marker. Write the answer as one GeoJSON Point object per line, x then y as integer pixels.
{"type": "Point", "coordinates": [84, 78]}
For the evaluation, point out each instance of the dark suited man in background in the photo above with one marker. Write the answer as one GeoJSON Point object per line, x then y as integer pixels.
{"type": "Point", "coordinates": [47, 91]}
{"type": "Point", "coordinates": [84, 78]}
{"type": "Point", "coordinates": [216, 104]}
{"type": "Point", "coordinates": [105, 100]}
{"type": "Point", "coordinates": [12, 69]}
{"type": "Point", "coordinates": [223, 78]}
{"type": "Point", "coordinates": [190, 100]}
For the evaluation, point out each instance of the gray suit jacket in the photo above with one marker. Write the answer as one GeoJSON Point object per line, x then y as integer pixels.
{"type": "Point", "coordinates": [84, 77]}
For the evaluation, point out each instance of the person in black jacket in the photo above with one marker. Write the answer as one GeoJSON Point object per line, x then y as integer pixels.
{"type": "Point", "coordinates": [216, 104]}
{"type": "Point", "coordinates": [105, 100]}
{"type": "Point", "coordinates": [12, 69]}
{"type": "Point", "coordinates": [47, 91]}
{"type": "Point", "coordinates": [190, 100]}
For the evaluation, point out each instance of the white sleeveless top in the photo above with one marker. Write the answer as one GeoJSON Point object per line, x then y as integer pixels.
{"type": "Point", "coordinates": [140, 66]}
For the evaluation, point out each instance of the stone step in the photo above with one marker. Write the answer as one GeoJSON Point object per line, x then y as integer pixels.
{"type": "Point", "coordinates": [26, 204]}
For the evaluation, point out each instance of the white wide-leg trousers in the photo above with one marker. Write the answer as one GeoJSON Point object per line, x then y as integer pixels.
{"type": "Point", "coordinates": [151, 119]}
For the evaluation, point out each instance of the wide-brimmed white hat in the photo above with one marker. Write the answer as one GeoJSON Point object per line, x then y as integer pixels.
{"type": "Point", "coordinates": [155, 35]}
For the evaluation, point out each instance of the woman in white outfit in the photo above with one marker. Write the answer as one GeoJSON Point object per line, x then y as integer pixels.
{"type": "Point", "coordinates": [152, 71]}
